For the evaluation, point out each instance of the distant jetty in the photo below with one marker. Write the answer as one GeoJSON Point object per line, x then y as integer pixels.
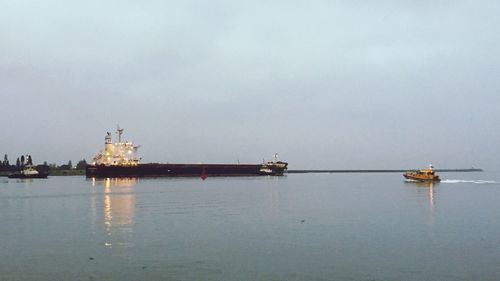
{"type": "Point", "coordinates": [378, 171]}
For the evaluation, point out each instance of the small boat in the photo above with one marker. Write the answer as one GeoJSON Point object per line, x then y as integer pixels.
{"type": "Point", "coordinates": [273, 167]}
{"type": "Point", "coordinates": [28, 172]}
{"type": "Point", "coordinates": [427, 174]}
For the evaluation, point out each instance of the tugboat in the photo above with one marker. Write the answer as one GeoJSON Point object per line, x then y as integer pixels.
{"type": "Point", "coordinates": [424, 175]}
{"type": "Point", "coordinates": [28, 172]}
{"type": "Point", "coordinates": [120, 160]}
{"type": "Point", "coordinates": [274, 167]}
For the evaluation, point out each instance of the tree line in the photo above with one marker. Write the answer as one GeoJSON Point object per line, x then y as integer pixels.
{"type": "Point", "coordinates": [24, 161]}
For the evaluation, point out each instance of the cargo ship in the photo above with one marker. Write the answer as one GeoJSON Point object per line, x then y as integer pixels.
{"type": "Point", "coordinates": [120, 159]}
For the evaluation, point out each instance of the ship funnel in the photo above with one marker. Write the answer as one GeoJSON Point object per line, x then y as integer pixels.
{"type": "Point", "coordinates": [108, 146]}
{"type": "Point", "coordinates": [107, 139]}
{"type": "Point", "coordinates": [120, 133]}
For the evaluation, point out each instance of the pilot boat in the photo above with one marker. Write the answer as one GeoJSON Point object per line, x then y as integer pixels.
{"type": "Point", "coordinates": [426, 175]}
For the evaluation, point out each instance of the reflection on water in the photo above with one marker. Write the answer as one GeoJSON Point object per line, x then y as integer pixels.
{"type": "Point", "coordinates": [430, 192]}
{"type": "Point", "coordinates": [429, 189]}
{"type": "Point", "coordinates": [115, 182]}
{"type": "Point", "coordinates": [298, 227]}
{"type": "Point", "coordinates": [429, 186]}
{"type": "Point", "coordinates": [119, 202]}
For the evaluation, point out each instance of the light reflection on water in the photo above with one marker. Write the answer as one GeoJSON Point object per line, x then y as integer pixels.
{"type": "Point", "coordinates": [297, 227]}
{"type": "Point", "coordinates": [426, 191]}
{"type": "Point", "coordinates": [119, 204]}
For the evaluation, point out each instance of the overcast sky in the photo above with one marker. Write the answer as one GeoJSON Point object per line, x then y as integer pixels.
{"type": "Point", "coordinates": [326, 84]}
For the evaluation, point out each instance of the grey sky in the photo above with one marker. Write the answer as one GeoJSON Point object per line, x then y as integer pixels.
{"type": "Point", "coordinates": [327, 84]}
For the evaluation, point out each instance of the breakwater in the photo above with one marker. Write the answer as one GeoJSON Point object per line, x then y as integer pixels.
{"type": "Point", "coordinates": [379, 171]}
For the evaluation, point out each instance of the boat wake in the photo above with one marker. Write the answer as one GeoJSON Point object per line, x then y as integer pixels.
{"type": "Point", "coordinates": [410, 180]}
{"type": "Point", "coordinates": [470, 181]}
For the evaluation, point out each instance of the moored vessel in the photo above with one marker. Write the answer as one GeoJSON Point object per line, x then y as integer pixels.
{"type": "Point", "coordinates": [426, 175]}
{"type": "Point", "coordinates": [120, 159]}
{"type": "Point", "coordinates": [28, 172]}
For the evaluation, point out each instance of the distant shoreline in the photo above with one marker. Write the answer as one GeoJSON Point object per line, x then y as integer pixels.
{"type": "Point", "coordinates": [54, 173]}
{"type": "Point", "coordinates": [377, 171]}
{"type": "Point", "coordinates": [82, 172]}
{"type": "Point", "coordinates": [72, 172]}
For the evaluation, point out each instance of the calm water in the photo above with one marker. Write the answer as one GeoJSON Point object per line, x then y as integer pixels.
{"type": "Point", "coordinates": [296, 227]}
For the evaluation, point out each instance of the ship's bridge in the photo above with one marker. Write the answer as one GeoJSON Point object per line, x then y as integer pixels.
{"type": "Point", "coordinates": [118, 153]}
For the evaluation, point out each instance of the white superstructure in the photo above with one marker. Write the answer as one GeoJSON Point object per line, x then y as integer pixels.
{"type": "Point", "coordinates": [118, 153]}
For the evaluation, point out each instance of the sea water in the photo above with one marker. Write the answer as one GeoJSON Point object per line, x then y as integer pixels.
{"type": "Point", "coordinates": [295, 227]}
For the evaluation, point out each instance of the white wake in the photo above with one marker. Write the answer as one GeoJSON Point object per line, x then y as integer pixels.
{"type": "Point", "coordinates": [470, 181]}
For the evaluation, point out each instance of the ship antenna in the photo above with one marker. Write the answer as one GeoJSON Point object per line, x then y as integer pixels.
{"type": "Point", "coordinates": [120, 132]}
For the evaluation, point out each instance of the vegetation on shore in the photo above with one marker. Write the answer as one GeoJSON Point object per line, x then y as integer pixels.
{"type": "Point", "coordinates": [53, 169]}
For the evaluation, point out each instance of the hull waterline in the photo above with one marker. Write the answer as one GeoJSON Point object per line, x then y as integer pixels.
{"type": "Point", "coordinates": [21, 176]}
{"type": "Point", "coordinates": [184, 170]}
